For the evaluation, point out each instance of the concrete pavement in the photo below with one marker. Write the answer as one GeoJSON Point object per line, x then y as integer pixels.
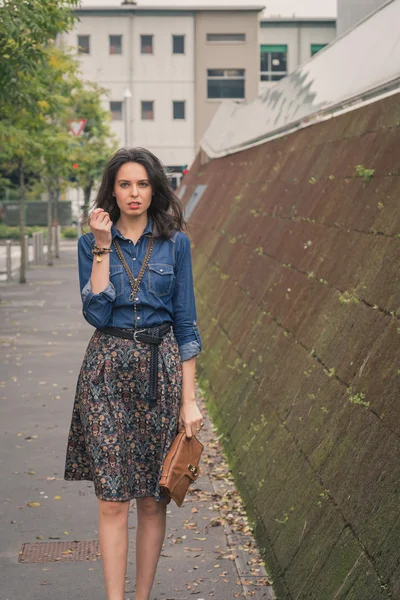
{"type": "Point", "coordinates": [208, 552]}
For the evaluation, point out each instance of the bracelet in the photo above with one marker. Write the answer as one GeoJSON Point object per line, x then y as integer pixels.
{"type": "Point", "coordinates": [99, 251]}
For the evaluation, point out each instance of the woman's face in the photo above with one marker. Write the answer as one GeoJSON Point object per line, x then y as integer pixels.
{"type": "Point", "coordinates": [132, 189]}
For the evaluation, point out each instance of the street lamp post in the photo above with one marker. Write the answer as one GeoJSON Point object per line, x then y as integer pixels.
{"type": "Point", "coordinates": [127, 96]}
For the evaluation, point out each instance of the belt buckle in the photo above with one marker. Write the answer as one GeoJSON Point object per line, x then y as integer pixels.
{"type": "Point", "coordinates": [137, 331]}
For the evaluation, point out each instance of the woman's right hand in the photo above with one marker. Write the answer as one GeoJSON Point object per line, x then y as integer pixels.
{"type": "Point", "coordinates": [100, 225]}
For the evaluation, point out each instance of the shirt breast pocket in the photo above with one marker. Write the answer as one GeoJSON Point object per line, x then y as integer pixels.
{"type": "Point", "coordinates": [117, 279]}
{"type": "Point", "coordinates": [161, 279]}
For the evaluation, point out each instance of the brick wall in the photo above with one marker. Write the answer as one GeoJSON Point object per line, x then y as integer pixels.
{"type": "Point", "coordinates": [297, 263]}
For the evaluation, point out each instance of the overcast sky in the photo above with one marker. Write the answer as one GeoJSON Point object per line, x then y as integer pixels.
{"type": "Point", "coordinates": [284, 8]}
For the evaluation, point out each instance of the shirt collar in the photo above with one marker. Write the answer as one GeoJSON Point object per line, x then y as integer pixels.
{"type": "Point", "coordinates": [147, 230]}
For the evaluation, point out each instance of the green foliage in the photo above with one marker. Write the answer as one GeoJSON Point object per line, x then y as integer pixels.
{"type": "Point", "coordinates": [358, 398]}
{"type": "Point", "coordinates": [348, 297]}
{"type": "Point", "coordinates": [26, 30]}
{"type": "Point", "coordinates": [367, 174]}
{"type": "Point", "coordinates": [13, 233]}
{"type": "Point", "coordinates": [96, 144]}
{"type": "Point", "coordinates": [69, 233]}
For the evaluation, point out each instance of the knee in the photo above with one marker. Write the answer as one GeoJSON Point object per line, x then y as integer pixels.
{"type": "Point", "coordinates": [148, 507]}
{"type": "Point", "coordinates": [113, 509]}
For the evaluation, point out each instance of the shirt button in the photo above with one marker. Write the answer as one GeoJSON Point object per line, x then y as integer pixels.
{"type": "Point", "coordinates": [136, 298]}
{"type": "Point", "coordinates": [130, 241]}
{"type": "Point", "coordinates": [133, 258]}
{"type": "Point", "coordinates": [138, 318]}
{"type": "Point", "coordinates": [161, 270]}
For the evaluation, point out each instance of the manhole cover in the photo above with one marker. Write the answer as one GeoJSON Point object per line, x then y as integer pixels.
{"type": "Point", "coordinates": [39, 552]}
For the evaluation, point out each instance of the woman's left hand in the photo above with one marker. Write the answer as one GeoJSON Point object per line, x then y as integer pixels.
{"type": "Point", "coordinates": [190, 416]}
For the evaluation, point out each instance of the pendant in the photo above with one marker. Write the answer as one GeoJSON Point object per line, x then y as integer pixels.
{"type": "Point", "coordinates": [99, 258]}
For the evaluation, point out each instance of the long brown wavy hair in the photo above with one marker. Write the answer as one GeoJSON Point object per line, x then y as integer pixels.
{"type": "Point", "coordinates": [165, 209]}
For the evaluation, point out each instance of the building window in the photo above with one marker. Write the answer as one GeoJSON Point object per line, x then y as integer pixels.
{"type": "Point", "coordinates": [115, 44]}
{"type": "Point", "coordinates": [316, 48]}
{"type": "Point", "coordinates": [146, 44]}
{"type": "Point", "coordinates": [178, 44]}
{"type": "Point", "coordinates": [116, 111]}
{"type": "Point", "coordinates": [84, 44]}
{"type": "Point", "coordinates": [226, 37]}
{"type": "Point", "coordinates": [178, 109]}
{"type": "Point", "coordinates": [273, 62]}
{"type": "Point", "coordinates": [225, 83]}
{"type": "Point", "coordinates": [147, 110]}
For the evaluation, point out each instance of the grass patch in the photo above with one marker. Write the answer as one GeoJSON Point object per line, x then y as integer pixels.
{"type": "Point", "coordinates": [8, 232]}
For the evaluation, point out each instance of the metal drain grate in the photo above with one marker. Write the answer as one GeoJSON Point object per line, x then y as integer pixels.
{"type": "Point", "coordinates": [39, 552]}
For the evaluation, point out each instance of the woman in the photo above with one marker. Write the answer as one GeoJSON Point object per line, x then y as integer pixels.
{"type": "Point", "coordinates": [137, 381]}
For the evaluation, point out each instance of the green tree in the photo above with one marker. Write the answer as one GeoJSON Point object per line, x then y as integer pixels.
{"type": "Point", "coordinates": [95, 145]}
{"type": "Point", "coordinates": [28, 30]}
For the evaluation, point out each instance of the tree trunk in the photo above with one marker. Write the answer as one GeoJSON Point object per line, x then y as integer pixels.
{"type": "Point", "coordinates": [49, 227]}
{"type": "Point", "coordinates": [22, 270]}
{"type": "Point", "coordinates": [56, 221]}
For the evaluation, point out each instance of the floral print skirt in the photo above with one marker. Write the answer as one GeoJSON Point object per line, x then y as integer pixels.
{"type": "Point", "coordinates": [116, 439]}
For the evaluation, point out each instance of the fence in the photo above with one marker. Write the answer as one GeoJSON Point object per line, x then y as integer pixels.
{"type": "Point", "coordinates": [35, 253]}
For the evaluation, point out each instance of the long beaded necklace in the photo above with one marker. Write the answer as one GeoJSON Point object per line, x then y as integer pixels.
{"type": "Point", "coordinates": [134, 282]}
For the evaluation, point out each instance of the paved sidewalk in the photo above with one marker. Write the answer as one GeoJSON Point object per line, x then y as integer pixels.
{"type": "Point", "coordinates": [208, 552]}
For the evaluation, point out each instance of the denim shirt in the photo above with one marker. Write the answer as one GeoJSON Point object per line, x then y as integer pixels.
{"type": "Point", "coordinates": [165, 295]}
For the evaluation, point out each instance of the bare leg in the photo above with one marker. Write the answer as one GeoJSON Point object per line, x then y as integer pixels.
{"type": "Point", "coordinates": [113, 536]}
{"type": "Point", "coordinates": [151, 522]}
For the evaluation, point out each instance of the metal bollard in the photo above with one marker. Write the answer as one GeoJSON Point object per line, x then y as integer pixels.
{"type": "Point", "coordinates": [57, 241]}
{"type": "Point", "coordinates": [41, 247]}
{"type": "Point", "coordinates": [53, 240]}
{"type": "Point", "coordinates": [8, 260]}
{"type": "Point", "coordinates": [26, 241]}
{"type": "Point", "coordinates": [35, 248]}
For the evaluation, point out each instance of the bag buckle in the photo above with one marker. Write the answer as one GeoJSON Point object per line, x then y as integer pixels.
{"type": "Point", "coordinates": [193, 469]}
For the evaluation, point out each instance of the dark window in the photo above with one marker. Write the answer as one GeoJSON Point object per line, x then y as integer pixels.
{"type": "Point", "coordinates": [226, 83]}
{"type": "Point", "coordinates": [316, 48]}
{"type": "Point", "coordinates": [84, 44]}
{"type": "Point", "coordinates": [273, 65]}
{"type": "Point", "coordinates": [116, 111]}
{"type": "Point", "coordinates": [146, 44]}
{"type": "Point", "coordinates": [147, 110]}
{"type": "Point", "coordinates": [115, 44]}
{"type": "Point", "coordinates": [226, 37]}
{"type": "Point", "coordinates": [179, 109]}
{"type": "Point", "coordinates": [178, 44]}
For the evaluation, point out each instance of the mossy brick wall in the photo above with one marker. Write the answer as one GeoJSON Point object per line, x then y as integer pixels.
{"type": "Point", "coordinates": [296, 266]}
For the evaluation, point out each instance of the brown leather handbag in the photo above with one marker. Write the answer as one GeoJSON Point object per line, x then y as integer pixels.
{"type": "Point", "coordinates": [181, 467]}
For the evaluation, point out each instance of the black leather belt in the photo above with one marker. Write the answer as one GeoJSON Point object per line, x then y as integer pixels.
{"type": "Point", "coordinates": [152, 336]}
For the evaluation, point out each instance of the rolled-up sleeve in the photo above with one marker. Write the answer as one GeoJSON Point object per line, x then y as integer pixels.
{"type": "Point", "coordinates": [96, 308]}
{"type": "Point", "coordinates": [185, 326]}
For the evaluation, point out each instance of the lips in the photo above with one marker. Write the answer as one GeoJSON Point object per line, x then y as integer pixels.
{"type": "Point", "coordinates": [134, 204]}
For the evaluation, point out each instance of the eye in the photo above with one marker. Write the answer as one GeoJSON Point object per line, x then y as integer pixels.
{"type": "Point", "coordinates": [143, 184]}
{"type": "Point", "coordinates": [124, 184]}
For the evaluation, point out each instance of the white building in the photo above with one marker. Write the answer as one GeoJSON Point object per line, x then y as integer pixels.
{"type": "Point", "coordinates": [168, 69]}
{"type": "Point", "coordinates": [351, 12]}
{"type": "Point", "coordinates": [287, 43]}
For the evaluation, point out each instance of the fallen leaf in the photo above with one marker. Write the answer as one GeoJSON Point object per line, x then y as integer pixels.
{"type": "Point", "coordinates": [57, 497]}
{"type": "Point", "coordinates": [33, 504]}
